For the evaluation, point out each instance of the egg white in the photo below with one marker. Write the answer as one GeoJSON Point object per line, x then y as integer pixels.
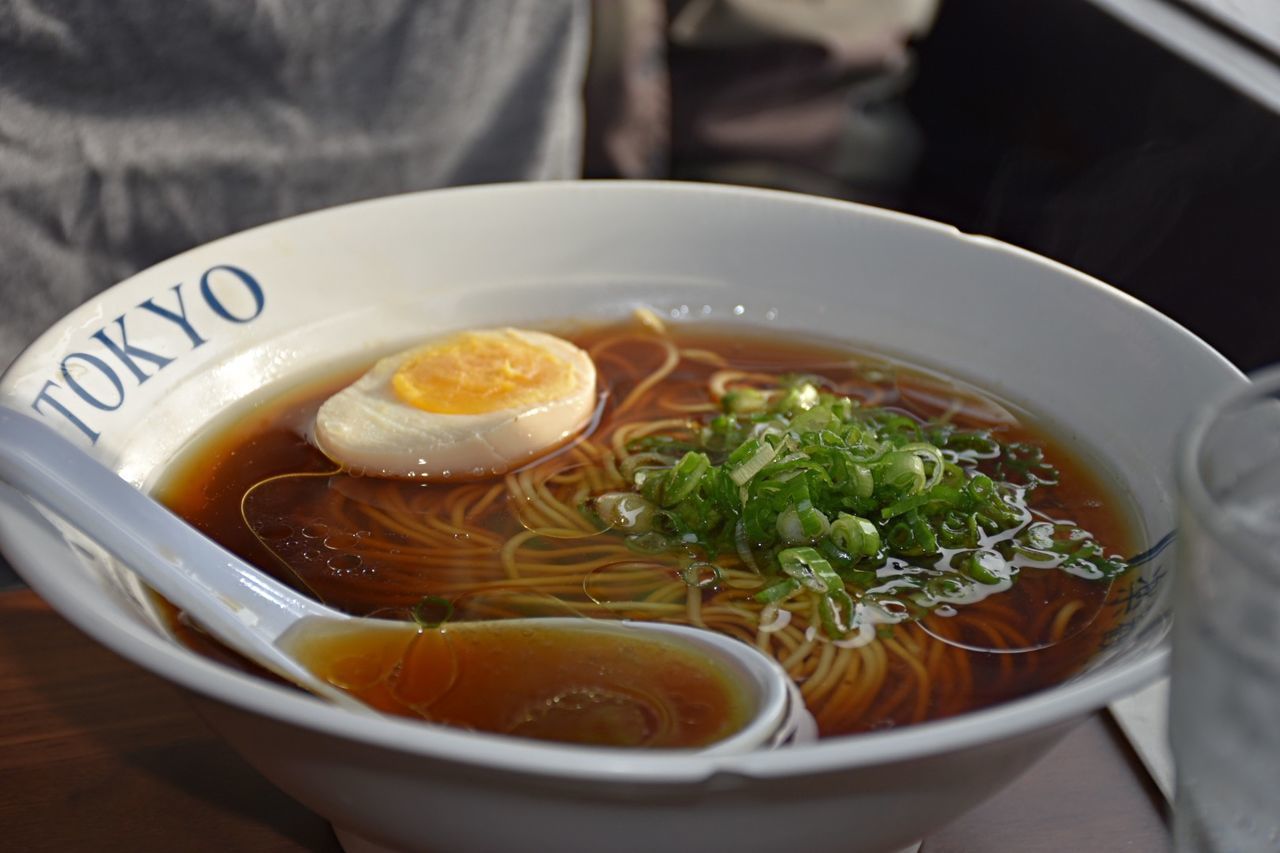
{"type": "Point", "coordinates": [367, 428]}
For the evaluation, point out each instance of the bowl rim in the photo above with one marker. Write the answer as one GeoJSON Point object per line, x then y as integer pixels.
{"type": "Point", "coordinates": [1037, 711]}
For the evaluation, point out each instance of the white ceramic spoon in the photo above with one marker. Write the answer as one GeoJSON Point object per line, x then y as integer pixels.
{"type": "Point", "coordinates": [257, 616]}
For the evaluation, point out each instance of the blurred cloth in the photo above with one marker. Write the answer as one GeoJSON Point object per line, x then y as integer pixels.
{"type": "Point", "coordinates": [628, 91]}
{"type": "Point", "coordinates": [859, 32]}
{"type": "Point", "coordinates": [132, 131]}
{"type": "Point", "coordinates": [796, 95]}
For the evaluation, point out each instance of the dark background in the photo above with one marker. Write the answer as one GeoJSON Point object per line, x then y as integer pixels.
{"type": "Point", "coordinates": [1048, 124]}
{"type": "Point", "coordinates": [1055, 127]}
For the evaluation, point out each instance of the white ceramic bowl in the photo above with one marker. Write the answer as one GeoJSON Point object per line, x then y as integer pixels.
{"type": "Point", "coordinates": [261, 307]}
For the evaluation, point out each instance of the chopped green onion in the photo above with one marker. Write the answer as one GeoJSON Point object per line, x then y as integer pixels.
{"type": "Point", "coordinates": [760, 455]}
{"type": "Point", "coordinates": [986, 566]}
{"type": "Point", "coordinates": [863, 482]}
{"type": "Point", "coordinates": [1038, 535]}
{"type": "Point", "coordinates": [958, 530]}
{"type": "Point", "coordinates": [856, 535]}
{"type": "Point", "coordinates": [625, 511]}
{"type": "Point", "coordinates": [814, 420]}
{"type": "Point", "coordinates": [700, 575]}
{"type": "Point", "coordinates": [802, 524]}
{"type": "Point", "coordinates": [431, 611]}
{"type": "Point", "coordinates": [820, 494]}
{"type": "Point", "coordinates": [930, 455]}
{"type": "Point", "coordinates": [911, 536]}
{"type": "Point", "coordinates": [810, 568]}
{"type": "Point", "coordinates": [741, 401]}
{"type": "Point", "coordinates": [743, 547]}
{"type": "Point", "coordinates": [778, 591]}
{"type": "Point", "coordinates": [905, 505]}
{"type": "Point", "coordinates": [684, 478]}
{"type": "Point", "coordinates": [799, 398]}
{"type": "Point", "coordinates": [903, 472]}
{"type": "Point", "coordinates": [837, 612]}
{"type": "Point", "coordinates": [651, 542]}
{"type": "Point", "coordinates": [982, 488]}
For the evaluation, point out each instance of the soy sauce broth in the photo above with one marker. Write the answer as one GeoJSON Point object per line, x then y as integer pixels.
{"type": "Point", "coordinates": [571, 685]}
{"type": "Point", "coordinates": [208, 482]}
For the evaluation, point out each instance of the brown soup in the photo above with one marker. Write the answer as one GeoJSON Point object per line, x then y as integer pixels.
{"type": "Point", "coordinates": [548, 683]}
{"type": "Point", "coordinates": [496, 548]}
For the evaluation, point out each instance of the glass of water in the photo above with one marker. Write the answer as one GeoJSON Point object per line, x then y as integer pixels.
{"type": "Point", "coordinates": [1225, 705]}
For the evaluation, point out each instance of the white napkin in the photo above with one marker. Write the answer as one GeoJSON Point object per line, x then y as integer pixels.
{"type": "Point", "coordinates": [1144, 719]}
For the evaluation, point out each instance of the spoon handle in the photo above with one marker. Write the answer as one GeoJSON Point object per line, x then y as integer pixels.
{"type": "Point", "coordinates": [240, 605]}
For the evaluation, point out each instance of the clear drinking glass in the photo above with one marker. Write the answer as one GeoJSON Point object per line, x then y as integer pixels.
{"type": "Point", "coordinates": [1225, 705]}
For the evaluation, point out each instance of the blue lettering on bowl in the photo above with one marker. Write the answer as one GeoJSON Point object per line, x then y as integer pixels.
{"type": "Point", "coordinates": [92, 379]}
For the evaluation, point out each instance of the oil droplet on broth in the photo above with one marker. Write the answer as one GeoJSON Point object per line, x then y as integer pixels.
{"type": "Point", "coordinates": [544, 682]}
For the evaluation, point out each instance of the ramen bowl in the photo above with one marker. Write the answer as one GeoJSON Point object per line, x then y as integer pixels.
{"type": "Point", "coordinates": [135, 374]}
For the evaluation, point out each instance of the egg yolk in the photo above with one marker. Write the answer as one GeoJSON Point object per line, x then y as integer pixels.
{"type": "Point", "coordinates": [478, 372]}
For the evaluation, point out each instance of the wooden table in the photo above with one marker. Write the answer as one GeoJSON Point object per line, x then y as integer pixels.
{"type": "Point", "coordinates": [96, 754]}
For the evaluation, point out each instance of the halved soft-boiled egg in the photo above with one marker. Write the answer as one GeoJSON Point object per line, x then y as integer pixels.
{"type": "Point", "coordinates": [470, 404]}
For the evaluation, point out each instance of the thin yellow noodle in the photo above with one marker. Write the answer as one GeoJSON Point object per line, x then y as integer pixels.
{"type": "Point", "coordinates": [704, 356]}
{"type": "Point", "coordinates": [616, 479]}
{"type": "Point", "coordinates": [734, 629]}
{"type": "Point", "coordinates": [846, 662]}
{"type": "Point", "coordinates": [595, 481]}
{"type": "Point", "coordinates": [670, 405]}
{"type": "Point", "coordinates": [547, 503]}
{"type": "Point", "coordinates": [647, 607]}
{"type": "Point", "coordinates": [627, 433]}
{"type": "Point", "coordinates": [453, 534]}
{"type": "Point", "coordinates": [911, 639]}
{"type": "Point", "coordinates": [600, 347]}
{"type": "Point", "coordinates": [1063, 619]}
{"type": "Point", "coordinates": [892, 699]}
{"type": "Point", "coordinates": [816, 685]}
{"type": "Point", "coordinates": [590, 450]}
{"type": "Point", "coordinates": [934, 653]}
{"type": "Point", "coordinates": [508, 552]}
{"type": "Point", "coordinates": [719, 382]}
{"type": "Point", "coordinates": [582, 546]}
{"type": "Point", "coordinates": [528, 509]}
{"type": "Point", "coordinates": [668, 365]}
{"type": "Point", "coordinates": [991, 611]}
{"type": "Point", "coordinates": [564, 533]}
{"type": "Point", "coordinates": [668, 594]}
{"type": "Point", "coordinates": [780, 644]}
{"type": "Point", "coordinates": [872, 675]}
{"type": "Point", "coordinates": [922, 675]}
{"type": "Point", "coordinates": [693, 606]}
{"type": "Point", "coordinates": [571, 582]}
{"type": "Point", "coordinates": [543, 515]}
{"type": "Point", "coordinates": [455, 505]}
{"type": "Point", "coordinates": [999, 630]}
{"type": "Point", "coordinates": [864, 677]}
{"type": "Point", "coordinates": [798, 654]}
{"type": "Point", "coordinates": [411, 532]}
{"type": "Point", "coordinates": [567, 477]}
{"type": "Point", "coordinates": [484, 503]}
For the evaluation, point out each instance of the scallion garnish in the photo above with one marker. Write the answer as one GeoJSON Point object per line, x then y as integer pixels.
{"type": "Point", "coordinates": [431, 611]}
{"type": "Point", "coordinates": [832, 502]}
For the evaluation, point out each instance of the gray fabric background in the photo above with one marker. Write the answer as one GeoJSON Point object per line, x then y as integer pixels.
{"type": "Point", "coordinates": [132, 130]}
